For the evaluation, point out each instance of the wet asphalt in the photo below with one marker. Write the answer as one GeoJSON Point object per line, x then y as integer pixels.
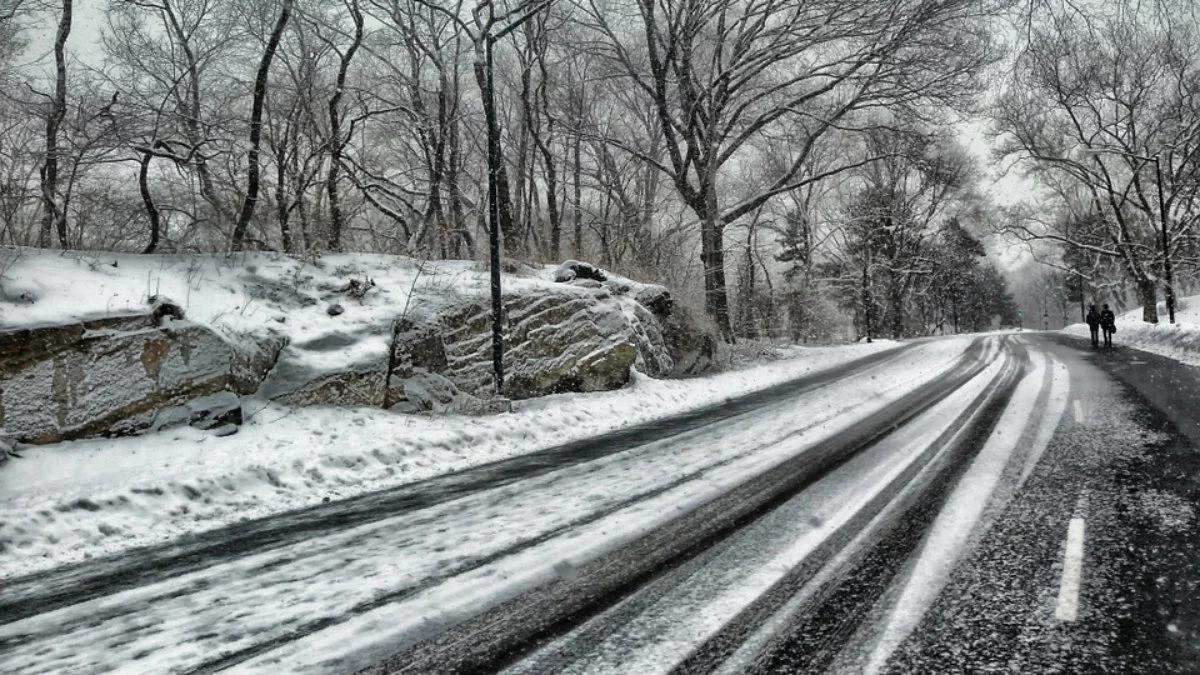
{"type": "Point", "coordinates": [1126, 460]}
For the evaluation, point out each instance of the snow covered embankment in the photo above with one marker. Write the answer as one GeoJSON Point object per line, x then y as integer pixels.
{"type": "Point", "coordinates": [1179, 341]}
{"type": "Point", "coordinates": [369, 330]}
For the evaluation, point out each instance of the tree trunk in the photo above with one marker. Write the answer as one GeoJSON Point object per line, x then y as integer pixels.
{"type": "Point", "coordinates": [192, 122]}
{"type": "Point", "coordinates": [336, 143]}
{"type": "Point", "coordinates": [256, 111]}
{"type": "Point", "coordinates": [54, 117]}
{"type": "Point", "coordinates": [282, 213]}
{"type": "Point", "coordinates": [577, 169]}
{"type": "Point", "coordinates": [456, 210]}
{"type": "Point", "coordinates": [552, 205]}
{"type": "Point", "coordinates": [750, 324]}
{"type": "Point", "coordinates": [498, 173]}
{"type": "Point", "coordinates": [712, 256]}
{"type": "Point", "coordinates": [897, 310]}
{"type": "Point", "coordinates": [1147, 292]}
{"type": "Point", "coordinates": [148, 201]}
{"type": "Point", "coordinates": [867, 301]}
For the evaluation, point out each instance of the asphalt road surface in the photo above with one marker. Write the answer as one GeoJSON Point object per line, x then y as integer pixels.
{"type": "Point", "coordinates": [1021, 503]}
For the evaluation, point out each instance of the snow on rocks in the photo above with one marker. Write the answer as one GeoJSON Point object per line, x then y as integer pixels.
{"type": "Point", "coordinates": [324, 332]}
{"type": "Point", "coordinates": [572, 270]}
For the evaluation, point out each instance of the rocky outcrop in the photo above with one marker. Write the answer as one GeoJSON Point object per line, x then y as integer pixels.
{"type": "Point", "coordinates": [573, 338]}
{"type": "Point", "coordinates": [690, 345]}
{"type": "Point", "coordinates": [156, 370]}
{"type": "Point", "coordinates": [107, 376]}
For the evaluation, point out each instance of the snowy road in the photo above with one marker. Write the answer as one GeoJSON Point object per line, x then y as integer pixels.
{"type": "Point", "coordinates": [834, 523]}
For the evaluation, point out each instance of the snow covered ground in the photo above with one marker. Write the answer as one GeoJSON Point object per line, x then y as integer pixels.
{"type": "Point", "coordinates": [1180, 341]}
{"type": "Point", "coordinates": [386, 581]}
{"type": "Point", "coordinates": [72, 501]}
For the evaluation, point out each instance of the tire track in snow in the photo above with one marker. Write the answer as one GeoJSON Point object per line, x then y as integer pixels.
{"type": "Point", "coordinates": [960, 517]}
{"type": "Point", "coordinates": [697, 605]}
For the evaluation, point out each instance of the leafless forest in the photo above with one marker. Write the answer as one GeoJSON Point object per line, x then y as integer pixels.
{"type": "Point", "coordinates": [784, 164]}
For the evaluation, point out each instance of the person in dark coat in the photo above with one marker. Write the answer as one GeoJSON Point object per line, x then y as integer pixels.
{"type": "Point", "coordinates": [1108, 323]}
{"type": "Point", "coordinates": [1093, 322]}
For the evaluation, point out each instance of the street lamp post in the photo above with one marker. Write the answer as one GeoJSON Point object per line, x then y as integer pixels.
{"type": "Point", "coordinates": [1168, 282]}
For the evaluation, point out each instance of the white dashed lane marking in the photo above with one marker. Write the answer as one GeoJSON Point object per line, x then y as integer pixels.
{"type": "Point", "coordinates": [1067, 608]}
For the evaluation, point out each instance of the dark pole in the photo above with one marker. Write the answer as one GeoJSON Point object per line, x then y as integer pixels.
{"type": "Point", "coordinates": [866, 295]}
{"type": "Point", "coordinates": [1166, 246]}
{"type": "Point", "coordinates": [494, 221]}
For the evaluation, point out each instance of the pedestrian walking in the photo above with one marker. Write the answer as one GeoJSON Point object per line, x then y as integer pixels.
{"type": "Point", "coordinates": [1093, 322]}
{"type": "Point", "coordinates": [1108, 323]}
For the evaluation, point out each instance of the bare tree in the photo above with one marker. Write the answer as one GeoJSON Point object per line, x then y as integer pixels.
{"type": "Point", "coordinates": [256, 112]}
{"type": "Point", "coordinates": [53, 215]}
{"type": "Point", "coordinates": [724, 73]}
{"type": "Point", "coordinates": [1100, 99]}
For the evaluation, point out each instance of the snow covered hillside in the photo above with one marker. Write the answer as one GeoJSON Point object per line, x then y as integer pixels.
{"type": "Point", "coordinates": [97, 343]}
{"type": "Point", "coordinates": [251, 297]}
{"type": "Point", "coordinates": [1180, 341]}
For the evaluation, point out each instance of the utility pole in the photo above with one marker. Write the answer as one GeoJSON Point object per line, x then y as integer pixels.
{"type": "Point", "coordinates": [493, 134]}
{"type": "Point", "coordinates": [866, 295]}
{"type": "Point", "coordinates": [1169, 284]}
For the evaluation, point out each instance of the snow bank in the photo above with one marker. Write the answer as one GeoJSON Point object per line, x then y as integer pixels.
{"type": "Point", "coordinates": [70, 501]}
{"type": "Point", "coordinates": [1179, 341]}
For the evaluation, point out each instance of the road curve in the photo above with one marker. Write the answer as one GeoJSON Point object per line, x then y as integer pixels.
{"type": "Point", "coordinates": [964, 504]}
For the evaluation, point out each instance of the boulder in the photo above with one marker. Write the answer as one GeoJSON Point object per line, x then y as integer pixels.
{"type": "Point", "coordinates": [557, 340]}
{"type": "Point", "coordinates": [8, 447]}
{"type": "Point", "coordinates": [204, 412]}
{"type": "Point", "coordinates": [104, 376]}
{"type": "Point", "coordinates": [163, 309]}
{"type": "Point", "coordinates": [423, 391]}
{"type": "Point", "coordinates": [253, 358]}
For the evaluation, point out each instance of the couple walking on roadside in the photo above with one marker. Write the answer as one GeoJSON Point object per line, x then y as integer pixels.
{"type": "Point", "coordinates": [1103, 320]}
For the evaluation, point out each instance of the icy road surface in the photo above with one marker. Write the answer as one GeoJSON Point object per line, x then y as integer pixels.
{"type": "Point", "coordinates": [840, 527]}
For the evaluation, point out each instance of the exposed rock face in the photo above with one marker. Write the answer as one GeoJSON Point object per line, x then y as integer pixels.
{"type": "Point", "coordinates": [252, 361]}
{"type": "Point", "coordinates": [105, 376]}
{"type": "Point", "coordinates": [361, 384]}
{"type": "Point", "coordinates": [573, 339]}
{"type": "Point", "coordinates": [655, 298]}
